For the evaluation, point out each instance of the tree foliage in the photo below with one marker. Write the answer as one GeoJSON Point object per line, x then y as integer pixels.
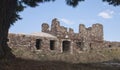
{"type": "Point", "coordinates": [22, 4]}
{"type": "Point", "coordinates": [9, 13]}
{"type": "Point", "coordinates": [73, 3]}
{"type": "Point", "coordinates": [113, 2]}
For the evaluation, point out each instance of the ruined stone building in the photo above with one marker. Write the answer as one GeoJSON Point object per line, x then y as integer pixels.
{"type": "Point", "coordinates": [61, 39]}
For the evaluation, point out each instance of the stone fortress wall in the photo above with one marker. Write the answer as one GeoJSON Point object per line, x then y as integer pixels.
{"type": "Point", "coordinates": [87, 38]}
{"type": "Point", "coordinates": [61, 39]}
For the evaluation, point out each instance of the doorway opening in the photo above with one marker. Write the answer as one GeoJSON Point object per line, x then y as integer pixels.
{"type": "Point", "coordinates": [66, 46]}
{"type": "Point", "coordinates": [109, 46]}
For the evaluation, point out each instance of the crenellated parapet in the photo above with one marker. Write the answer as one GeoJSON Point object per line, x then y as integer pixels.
{"type": "Point", "coordinates": [91, 33]}
{"type": "Point", "coordinates": [85, 36]}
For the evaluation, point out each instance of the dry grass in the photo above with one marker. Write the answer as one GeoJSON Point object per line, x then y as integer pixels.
{"type": "Point", "coordinates": [41, 60]}
{"type": "Point", "coordinates": [100, 55]}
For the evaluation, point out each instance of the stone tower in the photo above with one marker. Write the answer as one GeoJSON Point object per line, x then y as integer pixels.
{"type": "Point", "coordinates": [97, 32]}
{"type": "Point", "coordinates": [55, 26]}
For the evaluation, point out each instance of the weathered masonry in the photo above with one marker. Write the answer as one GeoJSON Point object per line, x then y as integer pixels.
{"type": "Point", "coordinates": [59, 38]}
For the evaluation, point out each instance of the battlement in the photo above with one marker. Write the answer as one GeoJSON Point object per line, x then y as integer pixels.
{"type": "Point", "coordinates": [91, 33]}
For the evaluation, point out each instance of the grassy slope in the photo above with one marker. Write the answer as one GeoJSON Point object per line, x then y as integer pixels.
{"type": "Point", "coordinates": [32, 60]}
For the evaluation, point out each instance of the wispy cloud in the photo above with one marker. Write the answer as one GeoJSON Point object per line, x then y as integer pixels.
{"type": "Point", "coordinates": [106, 14]}
{"type": "Point", "coordinates": [66, 21]}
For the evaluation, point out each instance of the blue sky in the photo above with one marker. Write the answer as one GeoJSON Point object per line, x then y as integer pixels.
{"type": "Point", "coordinates": [87, 13]}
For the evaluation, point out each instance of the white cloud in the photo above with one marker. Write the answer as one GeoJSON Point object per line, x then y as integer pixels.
{"type": "Point", "coordinates": [66, 21]}
{"type": "Point", "coordinates": [106, 14]}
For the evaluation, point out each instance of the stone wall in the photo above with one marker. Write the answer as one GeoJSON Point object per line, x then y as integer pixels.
{"type": "Point", "coordinates": [29, 41]}
{"type": "Point", "coordinates": [97, 32]}
{"type": "Point", "coordinates": [110, 44]}
{"type": "Point", "coordinates": [87, 38]}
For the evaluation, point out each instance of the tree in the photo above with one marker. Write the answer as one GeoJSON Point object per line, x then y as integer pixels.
{"type": "Point", "coordinates": [74, 3]}
{"type": "Point", "coordinates": [113, 2]}
{"type": "Point", "coordinates": [9, 13]}
{"type": "Point", "coordinates": [9, 10]}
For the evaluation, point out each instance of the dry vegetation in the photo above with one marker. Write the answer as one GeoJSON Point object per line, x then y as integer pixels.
{"type": "Point", "coordinates": [41, 60]}
{"type": "Point", "coordinates": [92, 56]}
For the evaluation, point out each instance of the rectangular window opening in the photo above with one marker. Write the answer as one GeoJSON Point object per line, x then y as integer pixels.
{"type": "Point", "coordinates": [52, 44]}
{"type": "Point", "coordinates": [38, 44]}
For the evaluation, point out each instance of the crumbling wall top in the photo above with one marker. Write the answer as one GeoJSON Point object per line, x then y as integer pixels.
{"type": "Point", "coordinates": [91, 33]}
{"type": "Point", "coordinates": [45, 27]}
